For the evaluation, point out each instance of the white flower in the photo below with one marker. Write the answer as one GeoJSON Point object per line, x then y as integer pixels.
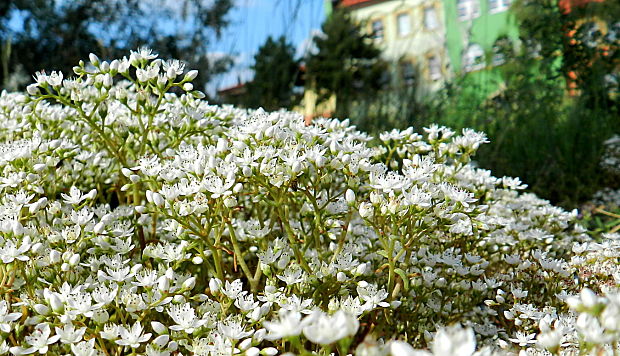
{"type": "Point", "coordinates": [132, 337]}
{"type": "Point", "coordinates": [234, 289]}
{"type": "Point", "coordinates": [454, 341]}
{"type": "Point", "coordinates": [6, 317]}
{"type": "Point", "coordinates": [10, 252]}
{"type": "Point", "coordinates": [75, 196]}
{"type": "Point", "coordinates": [523, 339]}
{"type": "Point", "coordinates": [288, 324]}
{"type": "Point", "coordinates": [39, 341]}
{"type": "Point", "coordinates": [372, 297]}
{"type": "Point", "coordinates": [185, 317]}
{"type": "Point", "coordinates": [69, 335]}
{"type": "Point", "coordinates": [233, 329]}
{"type": "Point", "coordinates": [324, 329]}
{"type": "Point", "coordinates": [85, 348]}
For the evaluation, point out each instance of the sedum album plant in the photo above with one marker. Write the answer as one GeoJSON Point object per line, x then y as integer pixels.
{"type": "Point", "coordinates": [139, 219]}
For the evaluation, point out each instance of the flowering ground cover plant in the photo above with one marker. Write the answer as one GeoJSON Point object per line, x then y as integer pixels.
{"type": "Point", "coordinates": [139, 219]}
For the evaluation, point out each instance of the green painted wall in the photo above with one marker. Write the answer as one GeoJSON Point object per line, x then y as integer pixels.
{"type": "Point", "coordinates": [483, 30]}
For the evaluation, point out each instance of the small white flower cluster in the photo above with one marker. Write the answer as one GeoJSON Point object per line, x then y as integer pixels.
{"type": "Point", "coordinates": [135, 220]}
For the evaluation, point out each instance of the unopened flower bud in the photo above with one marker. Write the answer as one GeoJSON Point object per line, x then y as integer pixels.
{"type": "Point", "coordinates": [252, 351]}
{"type": "Point", "coordinates": [56, 304]}
{"type": "Point", "coordinates": [163, 284]}
{"type": "Point", "coordinates": [259, 335]}
{"type": "Point", "coordinates": [93, 59]}
{"type": "Point", "coordinates": [42, 309]}
{"type": "Point", "coordinates": [74, 260]}
{"type": "Point", "coordinates": [55, 256]}
{"type": "Point", "coordinates": [349, 196]}
{"type": "Point", "coordinates": [191, 75]}
{"type": "Point", "coordinates": [100, 316]}
{"type": "Point", "coordinates": [158, 199]}
{"type": "Point", "coordinates": [245, 344]}
{"type": "Point", "coordinates": [269, 351]}
{"type": "Point", "coordinates": [189, 283]}
{"type": "Point", "coordinates": [230, 201]}
{"type": "Point", "coordinates": [214, 285]}
{"type": "Point", "coordinates": [159, 327]}
{"type": "Point", "coordinates": [33, 89]}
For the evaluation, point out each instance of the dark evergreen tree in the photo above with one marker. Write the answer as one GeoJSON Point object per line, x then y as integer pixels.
{"type": "Point", "coordinates": [276, 71]}
{"type": "Point", "coordinates": [346, 63]}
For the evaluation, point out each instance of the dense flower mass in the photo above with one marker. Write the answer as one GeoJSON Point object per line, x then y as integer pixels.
{"type": "Point", "coordinates": [137, 218]}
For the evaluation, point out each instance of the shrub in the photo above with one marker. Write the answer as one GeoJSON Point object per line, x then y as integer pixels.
{"type": "Point", "coordinates": [139, 221]}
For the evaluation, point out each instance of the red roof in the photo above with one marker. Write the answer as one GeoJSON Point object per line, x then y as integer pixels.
{"type": "Point", "coordinates": [567, 5]}
{"type": "Point", "coordinates": [348, 3]}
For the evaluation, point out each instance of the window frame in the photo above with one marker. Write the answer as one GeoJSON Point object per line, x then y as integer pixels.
{"type": "Point", "coordinates": [432, 7]}
{"type": "Point", "coordinates": [373, 33]}
{"type": "Point", "coordinates": [409, 22]}
{"type": "Point", "coordinates": [472, 7]}
{"type": "Point", "coordinates": [430, 58]}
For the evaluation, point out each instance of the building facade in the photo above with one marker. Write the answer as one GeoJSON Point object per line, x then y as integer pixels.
{"type": "Point", "coordinates": [411, 35]}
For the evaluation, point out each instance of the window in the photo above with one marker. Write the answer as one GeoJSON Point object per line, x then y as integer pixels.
{"type": "Point", "coordinates": [467, 9]}
{"type": "Point", "coordinates": [403, 24]}
{"type": "Point", "coordinates": [377, 30]}
{"type": "Point", "coordinates": [496, 6]}
{"type": "Point", "coordinates": [501, 49]}
{"type": "Point", "coordinates": [434, 68]}
{"type": "Point", "coordinates": [407, 72]}
{"type": "Point", "coordinates": [473, 58]}
{"type": "Point", "coordinates": [430, 18]}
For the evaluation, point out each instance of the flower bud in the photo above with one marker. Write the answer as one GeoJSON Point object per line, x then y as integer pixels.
{"type": "Point", "coordinates": [350, 196]}
{"type": "Point", "coordinates": [259, 335]}
{"type": "Point", "coordinates": [100, 316]}
{"type": "Point", "coordinates": [33, 89]}
{"type": "Point", "coordinates": [114, 65]}
{"type": "Point", "coordinates": [56, 304]}
{"type": "Point", "coordinates": [189, 283]}
{"type": "Point", "coordinates": [191, 75]}
{"type": "Point", "coordinates": [245, 344]}
{"type": "Point", "coordinates": [39, 167]}
{"type": "Point", "coordinates": [252, 351]}
{"type": "Point", "coordinates": [230, 202]}
{"type": "Point", "coordinates": [215, 285]}
{"type": "Point", "coordinates": [42, 309]}
{"type": "Point", "coordinates": [93, 59]}
{"type": "Point", "coordinates": [163, 284]}
{"type": "Point", "coordinates": [74, 260]}
{"type": "Point", "coordinates": [161, 340]}
{"type": "Point", "coordinates": [158, 199]}
{"type": "Point", "coordinates": [55, 256]}
{"type": "Point", "coordinates": [159, 327]}
{"type": "Point", "coordinates": [269, 351]}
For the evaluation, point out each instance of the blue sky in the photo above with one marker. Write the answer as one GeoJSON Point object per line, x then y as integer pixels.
{"type": "Point", "coordinates": [252, 21]}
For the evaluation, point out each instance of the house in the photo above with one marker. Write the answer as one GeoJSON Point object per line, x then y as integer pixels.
{"type": "Point", "coordinates": [411, 35]}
